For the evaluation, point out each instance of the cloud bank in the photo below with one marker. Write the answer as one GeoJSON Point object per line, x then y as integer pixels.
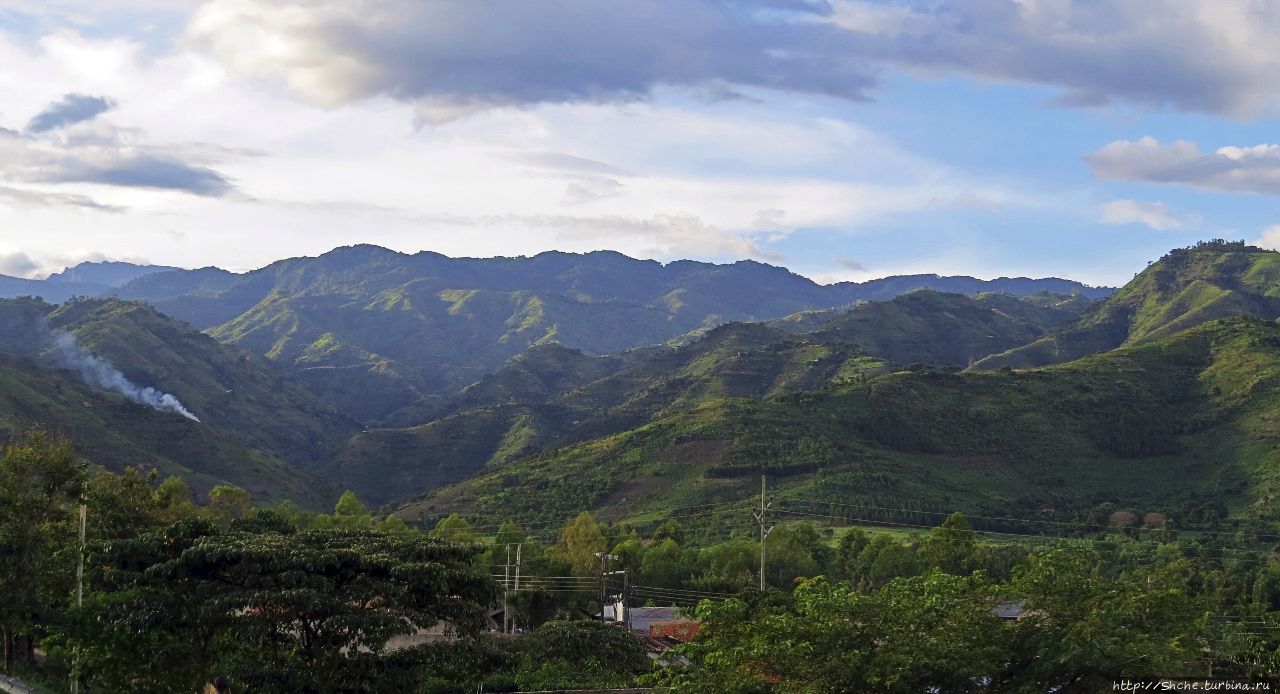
{"type": "Point", "coordinates": [454, 58]}
{"type": "Point", "coordinates": [1253, 169]}
{"type": "Point", "coordinates": [62, 145]}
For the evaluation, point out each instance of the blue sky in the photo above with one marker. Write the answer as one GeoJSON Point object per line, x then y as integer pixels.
{"type": "Point", "coordinates": [844, 139]}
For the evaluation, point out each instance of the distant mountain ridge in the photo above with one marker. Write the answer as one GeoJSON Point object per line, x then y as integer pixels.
{"type": "Point", "coordinates": [109, 273]}
{"type": "Point", "coordinates": [86, 279]}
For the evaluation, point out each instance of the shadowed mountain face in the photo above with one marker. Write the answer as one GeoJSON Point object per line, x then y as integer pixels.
{"type": "Point", "coordinates": [412, 328]}
{"type": "Point", "coordinates": [1187, 287]}
{"type": "Point", "coordinates": [257, 427]}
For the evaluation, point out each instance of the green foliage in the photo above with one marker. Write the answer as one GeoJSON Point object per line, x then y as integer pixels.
{"type": "Point", "coordinates": [313, 609]}
{"type": "Point", "coordinates": [40, 479]}
{"type": "Point", "coordinates": [579, 641]}
{"type": "Point", "coordinates": [454, 528]}
{"type": "Point", "coordinates": [581, 541]}
{"type": "Point", "coordinates": [933, 631]}
{"type": "Point", "coordinates": [229, 503]}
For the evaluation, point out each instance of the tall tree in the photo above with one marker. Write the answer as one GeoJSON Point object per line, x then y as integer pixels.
{"type": "Point", "coordinates": [581, 539]}
{"type": "Point", "coordinates": [41, 478]}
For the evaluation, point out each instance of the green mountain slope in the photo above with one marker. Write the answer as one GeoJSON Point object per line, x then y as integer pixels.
{"type": "Point", "coordinates": [552, 396]}
{"type": "Point", "coordinates": [1173, 424]}
{"type": "Point", "coordinates": [237, 397]}
{"type": "Point", "coordinates": [936, 328]}
{"type": "Point", "coordinates": [413, 328]}
{"type": "Point", "coordinates": [1187, 287]}
{"type": "Point", "coordinates": [535, 404]}
{"type": "Point", "coordinates": [230, 390]}
{"type": "Point", "coordinates": [115, 433]}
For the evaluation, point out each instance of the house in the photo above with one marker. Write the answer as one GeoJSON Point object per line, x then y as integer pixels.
{"type": "Point", "coordinates": [1010, 610]}
{"type": "Point", "coordinates": [661, 627]}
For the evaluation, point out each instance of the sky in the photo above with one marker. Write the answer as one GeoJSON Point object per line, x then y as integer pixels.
{"type": "Point", "coordinates": [843, 139]}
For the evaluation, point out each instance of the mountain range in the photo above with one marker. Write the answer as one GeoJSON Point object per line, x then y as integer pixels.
{"type": "Point", "coordinates": [408, 329]}
{"type": "Point", "coordinates": [535, 388]}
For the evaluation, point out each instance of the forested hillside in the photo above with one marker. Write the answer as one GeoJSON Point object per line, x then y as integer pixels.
{"type": "Point", "coordinates": [1185, 288]}
{"type": "Point", "coordinates": [1178, 423]}
{"type": "Point", "coordinates": [410, 328]}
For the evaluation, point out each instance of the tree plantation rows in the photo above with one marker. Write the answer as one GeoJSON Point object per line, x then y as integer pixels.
{"type": "Point", "coordinates": [176, 595]}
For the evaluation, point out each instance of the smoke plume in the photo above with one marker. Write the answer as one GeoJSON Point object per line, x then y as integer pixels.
{"type": "Point", "coordinates": [99, 372]}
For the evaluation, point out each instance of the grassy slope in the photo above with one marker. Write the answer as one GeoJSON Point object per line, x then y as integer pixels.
{"type": "Point", "coordinates": [1187, 287]}
{"type": "Point", "coordinates": [1166, 425]}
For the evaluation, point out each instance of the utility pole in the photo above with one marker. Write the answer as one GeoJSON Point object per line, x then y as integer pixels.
{"type": "Point", "coordinates": [604, 559]}
{"type": "Point", "coordinates": [761, 519]}
{"type": "Point", "coordinates": [75, 669]}
{"type": "Point", "coordinates": [626, 602]}
{"type": "Point", "coordinates": [519, 547]}
{"type": "Point", "coordinates": [506, 586]}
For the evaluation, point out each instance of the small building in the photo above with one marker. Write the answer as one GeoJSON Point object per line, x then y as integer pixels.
{"type": "Point", "coordinates": [1010, 610]}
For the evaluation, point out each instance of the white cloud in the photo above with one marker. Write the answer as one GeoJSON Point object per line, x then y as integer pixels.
{"type": "Point", "coordinates": [1253, 169]}
{"type": "Point", "coordinates": [1217, 56]}
{"type": "Point", "coordinates": [15, 263]}
{"type": "Point", "coordinates": [1156, 215]}
{"type": "Point", "coordinates": [665, 178]}
{"type": "Point", "coordinates": [452, 58]}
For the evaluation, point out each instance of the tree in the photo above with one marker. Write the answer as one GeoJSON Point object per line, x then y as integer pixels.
{"type": "Point", "coordinates": [229, 503]}
{"type": "Point", "coordinates": [728, 566]}
{"type": "Point", "coordinates": [885, 559]}
{"type": "Point", "coordinates": [788, 557]}
{"type": "Point", "coordinates": [309, 611]}
{"type": "Point", "coordinates": [951, 546]}
{"type": "Point", "coordinates": [926, 633]}
{"type": "Point", "coordinates": [581, 539]}
{"type": "Point", "coordinates": [350, 512]}
{"type": "Point", "coordinates": [455, 528]}
{"type": "Point", "coordinates": [1081, 631]}
{"type": "Point", "coordinates": [665, 564]}
{"type": "Point", "coordinates": [851, 545]}
{"type": "Point", "coordinates": [579, 655]}
{"type": "Point", "coordinates": [40, 480]}
{"type": "Point", "coordinates": [121, 506]}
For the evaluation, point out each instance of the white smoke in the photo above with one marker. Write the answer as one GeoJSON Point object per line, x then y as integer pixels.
{"type": "Point", "coordinates": [99, 372]}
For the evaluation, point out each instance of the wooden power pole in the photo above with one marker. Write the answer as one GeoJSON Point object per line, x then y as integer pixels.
{"type": "Point", "coordinates": [762, 520]}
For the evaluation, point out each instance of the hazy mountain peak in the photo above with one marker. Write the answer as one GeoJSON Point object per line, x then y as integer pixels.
{"type": "Point", "coordinates": [109, 273]}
